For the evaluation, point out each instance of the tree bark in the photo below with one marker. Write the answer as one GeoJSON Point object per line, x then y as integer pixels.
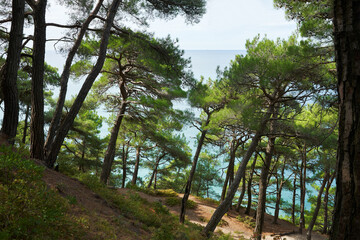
{"type": "Point", "coordinates": [241, 197]}
{"type": "Point", "coordinates": [278, 194]}
{"type": "Point", "coordinates": [155, 178]}
{"type": "Point", "coordinates": [9, 81]}
{"type": "Point", "coordinates": [260, 211]}
{"type": "Point", "coordinates": [346, 220]}
{"type": "Point", "coordinates": [192, 171]}
{"type": "Point", "coordinates": [136, 168]}
{"type": "Point", "coordinates": [69, 119]}
{"type": "Point", "coordinates": [37, 83]}
{"type": "Point", "coordinates": [302, 189]}
{"type": "Point", "coordinates": [248, 207]}
{"type": "Point", "coordinates": [155, 169]}
{"type": "Point", "coordinates": [230, 172]}
{"type": "Point", "coordinates": [26, 123]}
{"type": "Point", "coordinates": [110, 151]}
{"type": "Point", "coordinates": [326, 202]}
{"type": "Point", "coordinates": [124, 161]}
{"type": "Point", "coordinates": [55, 122]}
{"type": "Point", "coordinates": [317, 208]}
{"type": "Point", "coordinates": [225, 205]}
{"type": "Point", "coordinates": [293, 201]}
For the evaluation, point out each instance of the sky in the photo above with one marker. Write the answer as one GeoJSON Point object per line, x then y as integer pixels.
{"type": "Point", "coordinates": [226, 25]}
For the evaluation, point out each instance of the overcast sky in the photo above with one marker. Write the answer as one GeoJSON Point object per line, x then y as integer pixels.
{"type": "Point", "coordinates": [226, 25]}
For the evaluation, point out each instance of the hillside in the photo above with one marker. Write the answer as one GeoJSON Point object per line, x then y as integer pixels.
{"type": "Point", "coordinates": [41, 203]}
{"type": "Point", "coordinates": [90, 203]}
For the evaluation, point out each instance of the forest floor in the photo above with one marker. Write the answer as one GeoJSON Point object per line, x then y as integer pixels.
{"type": "Point", "coordinates": [89, 203]}
{"type": "Point", "coordinates": [230, 224]}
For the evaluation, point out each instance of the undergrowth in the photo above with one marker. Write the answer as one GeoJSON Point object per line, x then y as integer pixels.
{"type": "Point", "coordinates": [249, 221]}
{"type": "Point", "coordinates": [155, 217]}
{"type": "Point", "coordinates": [28, 209]}
{"type": "Point", "coordinates": [31, 210]}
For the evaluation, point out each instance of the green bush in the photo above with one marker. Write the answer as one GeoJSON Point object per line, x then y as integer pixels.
{"type": "Point", "coordinates": [154, 192]}
{"type": "Point", "coordinates": [249, 221]}
{"type": "Point", "coordinates": [28, 209]}
{"type": "Point", "coordinates": [176, 201]}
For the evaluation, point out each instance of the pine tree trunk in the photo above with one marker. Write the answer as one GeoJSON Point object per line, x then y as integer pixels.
{"type": "Point", "coordinates": [125, 157]}
{"type": "Point", "coordinates": [155, 178]}
{"type": "Point", "coordinates": [293, 201]}
{"type": "Point", "coordinates": [81, 167]}
{"type": "Point", "coordinates": [9, 76]}
{"type": "Point", "coordinates": [317, 208]}
{"type": "Point", "coordinates": [278, 194]}
{"type": "Point", "coordinates": [110, 151]}
{"type": "Point", "coordinates": [192, 171]}
{"type": "Point", "coordinates": [55, 122]}
{"type": "Point", "coordinates": [346, 220]}
{"type": "Point", "coordinates": [302, 189]}
{"type": "Point", "coordinates": [26, 123]}
{"type": "Point", "coordinates": [70, 117]}
{"type": "Point", "coordinates": [230, 172]}
{"type": "Point", "coordinates": [326, 202]}
{"type": "Point", "coordinates": [225, 205]}
{"type": "Point", "coordinates": [155, 169]}
{"type": "Point", "coordinates": [248, 207]}
{"type": "Point", "coordinates": [241, 197]}
{"type": "Point", "coordinates": [223, 192]}
{"type": "Point", "coordinates": [37, 83]}
{"type": "Point", "coordinates": [263, 184]}
{"type": "Point", "coordinates": [136, 168]}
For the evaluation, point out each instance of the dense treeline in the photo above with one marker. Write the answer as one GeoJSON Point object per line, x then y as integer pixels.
{"type": "Point", "coordinates": [281, 120]}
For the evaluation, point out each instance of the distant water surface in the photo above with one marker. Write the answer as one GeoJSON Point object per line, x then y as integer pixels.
{"type": "Point", "coordinates": [205, 62]}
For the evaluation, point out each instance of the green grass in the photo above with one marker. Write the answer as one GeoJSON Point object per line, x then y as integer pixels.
{"type": "Point", "coordinates": [28, 209]}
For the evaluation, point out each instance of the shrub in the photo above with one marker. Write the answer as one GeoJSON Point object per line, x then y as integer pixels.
{"type": "Point", "coordinates": [176, 201]}
{"type": "Point", "coordinates": [249, 221]}
{"type": "Point", "coordinates": [28, 209]}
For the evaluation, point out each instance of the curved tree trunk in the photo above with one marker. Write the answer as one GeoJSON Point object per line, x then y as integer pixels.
{"type": "Point", "coordinates": [192, 171]}
{"type": "Point", "coordinates": [136, 168]}
{"type": "Point", "coordinates": [37, 83]}
{"type": "Point", "coordinates": [110, 151]}
{"type": "Point", "coordinates": [225, 205]}
{"type": "Point", "coordinates": [9, 76]}
{"type": "Point", "coordinates": [346, 220]}
{"type": "Point", "coordinates": [69, 119]}
{"type": "Point", "coordinates": [55, 122]}
{"type": "Point", "coordinates": [248, 207]}
{"type": "Point", "coordinates": [317, 208]}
